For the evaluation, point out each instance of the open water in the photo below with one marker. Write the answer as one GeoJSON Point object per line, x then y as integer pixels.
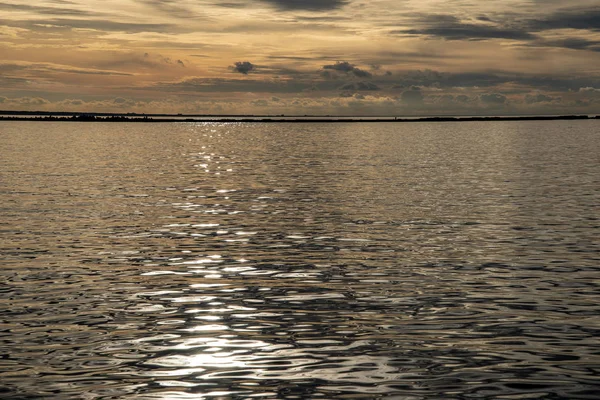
{"type": "Point", "coordinates": [300, 261]}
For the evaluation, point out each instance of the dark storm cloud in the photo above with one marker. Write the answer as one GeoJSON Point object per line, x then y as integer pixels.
{"type": "Point", "coordinates": [309, 5]}
{"type": "Point", "coordinates": [243, 67]}
{"type": "Point", "coordinates": [450, 27]}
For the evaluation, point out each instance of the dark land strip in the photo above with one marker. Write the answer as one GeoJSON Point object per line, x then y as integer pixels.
{"type": "Point", "coordinates": [101, 117]}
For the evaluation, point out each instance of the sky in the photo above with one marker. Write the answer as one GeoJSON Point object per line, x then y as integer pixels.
{"type": "Point", "coordinates": [296, 57]}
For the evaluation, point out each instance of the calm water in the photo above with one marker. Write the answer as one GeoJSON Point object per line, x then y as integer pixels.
{"type": "Point", "coordinates": [244, 261]}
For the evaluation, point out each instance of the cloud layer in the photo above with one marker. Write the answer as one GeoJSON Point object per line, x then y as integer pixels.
{"type": "Point", "coordinates": [325, 56]}
{"type": "Point", "coordinates": [311, 5]}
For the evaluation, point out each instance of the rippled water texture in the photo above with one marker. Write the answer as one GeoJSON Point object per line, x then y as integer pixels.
{"type": "Point", "coordinates": [218, 261]}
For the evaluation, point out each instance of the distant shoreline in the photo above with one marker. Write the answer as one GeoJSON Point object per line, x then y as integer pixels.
{"type": "Point", "coordinates": [101, 117]}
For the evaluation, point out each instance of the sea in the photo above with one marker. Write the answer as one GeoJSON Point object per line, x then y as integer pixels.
{"type": "Point", "coordinates": [386, 260]}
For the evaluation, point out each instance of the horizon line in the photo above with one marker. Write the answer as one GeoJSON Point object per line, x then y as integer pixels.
{"type": "Point", "coordinates": [197, 115]}
{"type": "Point", "coordinates": [147, 118]}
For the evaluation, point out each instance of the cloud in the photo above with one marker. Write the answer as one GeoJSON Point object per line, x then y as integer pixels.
{"type": "Point", "coordinates": [9, 81]}
{"type": "Point", "coordinates": [493, 98]}
{"type": "Point", "coordinates": [531, 52]}
{"type": "Point", "coordinates": [361, 73]}
{"type": "Point", "coordinates": [136, 61]}
{"type": "Point", "coordinates": [475, 80]}
{"type": "Point", "coordinates": [580, 44]}
{"type": "Point", "coordinates": [224, 85]}
{"type": "Point", "coordinates": [589, 90]}
{"type": "Point", "coordinates": [570, 43]}
{"type": "Point", "coordinates": [308, 5]}
{"type": "Point", "coordinates": [243, 67]}
{"type": "Point", "coordinates": [72, 102]}
{"type": "Point", "coordinates": [589, 93]}
{"type": "Point", "coordinates": [579, 18]}
{"type": "Point", "coordinates": [44, 68]}
{"type": "Point", "coordinates": [230, 4]}
{"type": "Point", "coordinates": [171, 7]}
{"type": "Point", "coordinates": [27, 102]}
{"type": "Point", "coordinates": [260, 103]}
{"type": "Point", "coordinates": [412, 96]}
{"type": "Point", "coordinates": [450, 27]}
{"type": "Point", "coordinates": [342, 66]}
{"type": "Point", "coordinates": [346, 67]}
{"type": "Point", "coordinates": [509, 26]}
{"type": "Point", "coordinates": [432, 78]}
{"type": "Point", "coordinates": [43, 10]}
{"type": "Point", "coordinates": [346, 104]}
{"type": "Point", "coordinates": [356, 86]}
{"type": "Point", "coordinates": [583, 103]}
{"type": "Point", "coordinates": [59, 24]}
{"type": "Point", "coordinates": [540, 98]}
{"type": "Point", "coordinates": [452, 100]}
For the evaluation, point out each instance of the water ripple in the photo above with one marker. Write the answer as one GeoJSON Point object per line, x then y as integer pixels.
{"type": "Point", "coordinates": [343, 261]}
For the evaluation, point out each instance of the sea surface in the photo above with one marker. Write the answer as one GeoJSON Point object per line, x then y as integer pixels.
{"type": "Point", "coordinates": [300, 261]}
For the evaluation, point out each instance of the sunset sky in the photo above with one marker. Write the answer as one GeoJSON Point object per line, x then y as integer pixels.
{"type": "Point", "coordinates": [375, 57]}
